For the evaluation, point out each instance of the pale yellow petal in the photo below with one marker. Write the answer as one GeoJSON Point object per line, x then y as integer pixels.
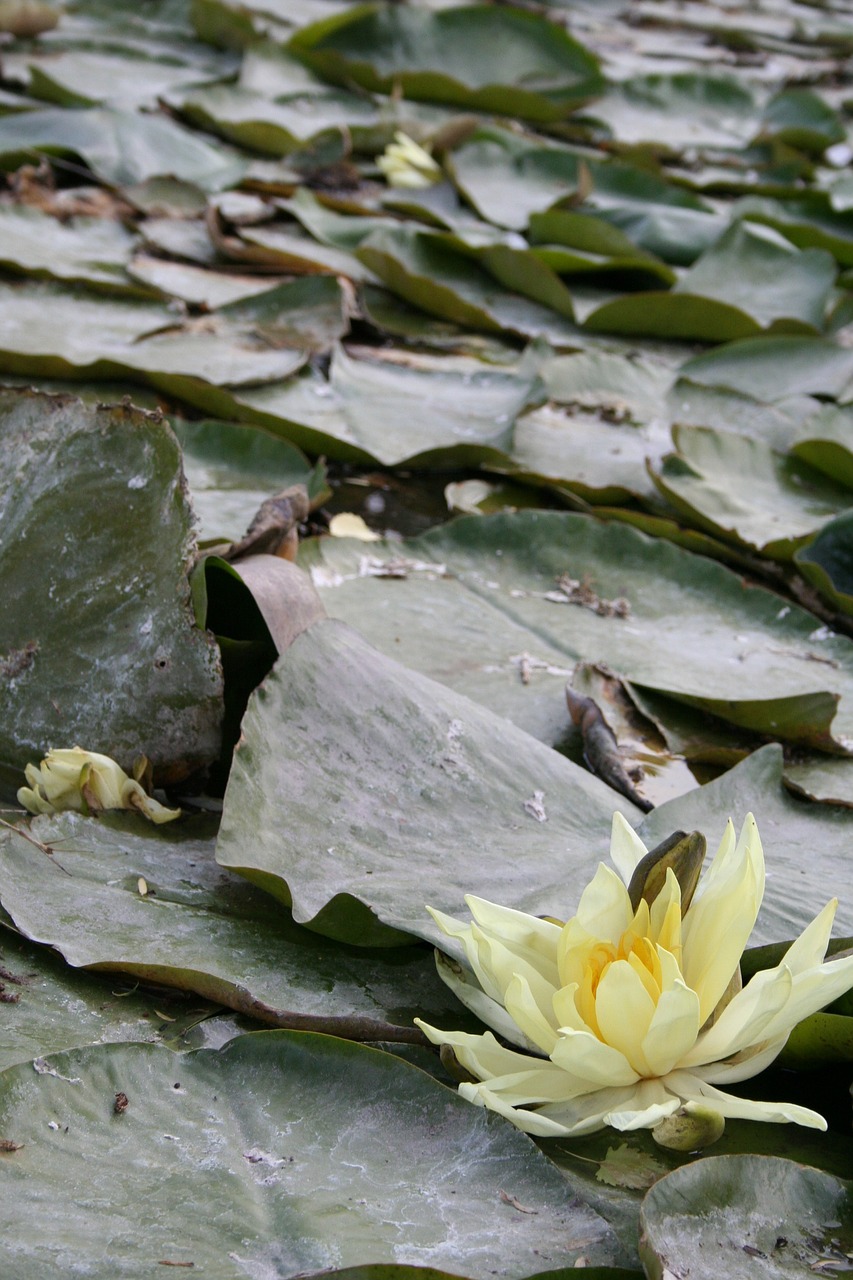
{"type": "Point", "coordinates": [673, 1029]}
{"type": "Point", "coordinates": [464, 985]}
{"type": "Point", "coordinates": [525, 1010]}
{"type": "Point", "coordinates": [624, 1011]}
{"type": "Point", "coordinates": [650, 1103]}
{"type": "Point", "coordinates": [591, 1063]}
{"type": "Point", "coordinates": [532, 1122]}
{"type": "Point", "coordinates": [626, 848]}
{"type": "Point", "coordinates": [565, 1009]}
{"type": "Point", "coordinates": [744, 1065]}
{"type": "Point", "coordinates": [481, 1055]}
{"type": "Point", "coordinates": [462, 933]}
{"type": "Point", "coordinates": [745, 1020]}
{"type": "Point", "coordinates": [719, 922]}
{"type": "Point", "coordinates": [811, 991]}
{"type": "Point", "coordinates": [809, 948]}
{"type": "Point", "coordinates": [501, 964]}
{"type": "Point", "coordinates": [516, 927]}
{"type": "Point", "coordinates": [605, 908]}
{"type": "Point", "coordinates": [691, 1088]}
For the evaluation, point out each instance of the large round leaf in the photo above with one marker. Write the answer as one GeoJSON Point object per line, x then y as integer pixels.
{"type": "Point", "coordinates": [469, 598]}
{"type": "Point", "coordinates": [744, 1217]}
{"type": "Point", "coordinates": [105, 653]}
{"type": "Point", "coordinates": [198, 928]}
{"type": "Point", "coordinates": [280, 1155]}
{"type": "Point", "coordinates": [361, 791]}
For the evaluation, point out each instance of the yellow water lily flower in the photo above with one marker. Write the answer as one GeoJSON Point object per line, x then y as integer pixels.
{"type": "Point", "coordinates": [406, 164]}
{"type": "Point", "coordinates": [86, 782]}
{"type": "Point", "coordinates": [634, 1012]}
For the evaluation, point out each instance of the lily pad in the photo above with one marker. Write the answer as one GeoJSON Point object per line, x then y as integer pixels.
{"type": "Point", "coordinates": [474, 56]}
{"type": "Point", "coordinates": [739, 488]}
{"type": "Point", "coordinates": [774, 367]}
{"type": "Point", "coordinates": [56, 1008]}
{"type": "Point", "coordinates": [491, 589]}
{"type": "Point", "coordinates": [751, 279]}
{"type": "Point", "coordinates": [95, 250]}
{"type": "Point", "coordinates": [197, 928]}
{"type": "Point", "coordinates": [232, 469]}
{"type": "Point", "coordinates": [280, 1151]}
{"type": "Point", "coordinates": [397, 812]}
{"type": "Point", "coordinates": [121, 147]}
{"type": "Point", "coordinates": [426, 270]}
{"type": "Point", "coordinates": [827, 562]}
{"type": "Point", "coordinates": [746, 1216]}
{"type": "Point", "coordinates": [373, 406]}
{"type": "Point", "coordinates": [103, 489]}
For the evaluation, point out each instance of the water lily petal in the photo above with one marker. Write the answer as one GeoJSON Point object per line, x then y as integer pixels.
{"type": "Point", "coordinates": [528, 933]}
{"type": "Point", "coordinates": [673, 1029]}
{"type": "Point", "coordinates": [650, 1103]}
{"type": "Point", "coordinates": [525, 1010]}
{"type": "Point", "coordinates": [464, 985]}
{"type": "Point", "coordinates": [719, 922]}
{"type": "Point", "coordinates": [502, 964]}
{"type": "Point", "coordinates": [811, 991]}
{"type": "Point", "coordinates": [587, 1060]}
{"type": "Point", "coordinates": [810, 948]}
{"type": "Point", "coordinates": [745, 1020]}
{"type": "Point", "coordinates": [691, 1088]}
{"type": "Point", "coordinates": [605, 909]}
{"type": "Point", "coordinates": [462, 932]}
{"type": "Point", "coordinates": [532, 1122]}
{"type": "Point", "coordinates": [626, 848]}
{"type": "Point", "coordinates": [482, 1055]}
{"type": "Point", "coordinates": [624, 1011]}
{"type": "Point", "coordinates": [744, 1065]}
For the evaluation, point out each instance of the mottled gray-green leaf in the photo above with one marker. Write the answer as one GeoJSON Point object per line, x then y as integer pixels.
{"type": "Point", "coordinates": [746, 1216]}
{"type": "Point", "coordinates": [104, 654]}
{"type": "Point", "coordinates": [491, 590]}
{"type": "Point", "coordinates": [357, 783]}
{"type": "Point", "coordinates": [279, 1154]}
{"type": "Point", "coordinates": [197, 927]}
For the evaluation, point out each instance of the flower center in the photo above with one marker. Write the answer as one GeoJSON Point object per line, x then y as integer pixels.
{"type": "Point", "coordinates": [633, 947]}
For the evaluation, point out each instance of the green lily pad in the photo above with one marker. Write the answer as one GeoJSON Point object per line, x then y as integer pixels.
{"type": "Point", "coordinates": [803, 119]}
{"type": "Point", "coordinates": [740, 488]}
{"type": "Point", "coordinates": [426, 270]}
{"type": "Point", "coordinates": [808, 221]}
{"type": "Point", "coordinates": [281, 1151]}
{"type": "Point", "coordinates": [751, 279]}
{"type": "Point", "coordinates": [95, 250]}
{"type": "Point", "coordinates": [87, 78]}
{"type": "Point", "coordinates": [120, 147]}
{"type": "Point", "coordinates": [480, 58]}
{"type": "Point", "coordinates": [232, 469]}
{"type": "Point", "coordinates": [279, 127]}
{"type": "Point", "coordinates": [490, 587]}
{"type": "Point", "coordinates": [827, 562]}
{"type": "Point", "coordinates": [103, 489]}
{"type": "Point", "coordinates": [436, 411]}
{"type": "Point", "coordinates": [743, 1216]}
{"type": "Point", "coordinates": [53, 331]}
{"type": "Point", "coordinates": [199, 929]}
{"type": "Point", "coordinates": [674, 111]}
{"type": "Point", "coordinates": [606, 415]}
{"type": "Point", "coordinates": [823, 778]}
{"type": "Point", "coordinates": [825, 441]}
{"type": "Point", "coordinates": [774, 367]}
{"type": "Point", "coordinates": [57, 1008]}
{"type": "Point", "coordinates": [398, 811]}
